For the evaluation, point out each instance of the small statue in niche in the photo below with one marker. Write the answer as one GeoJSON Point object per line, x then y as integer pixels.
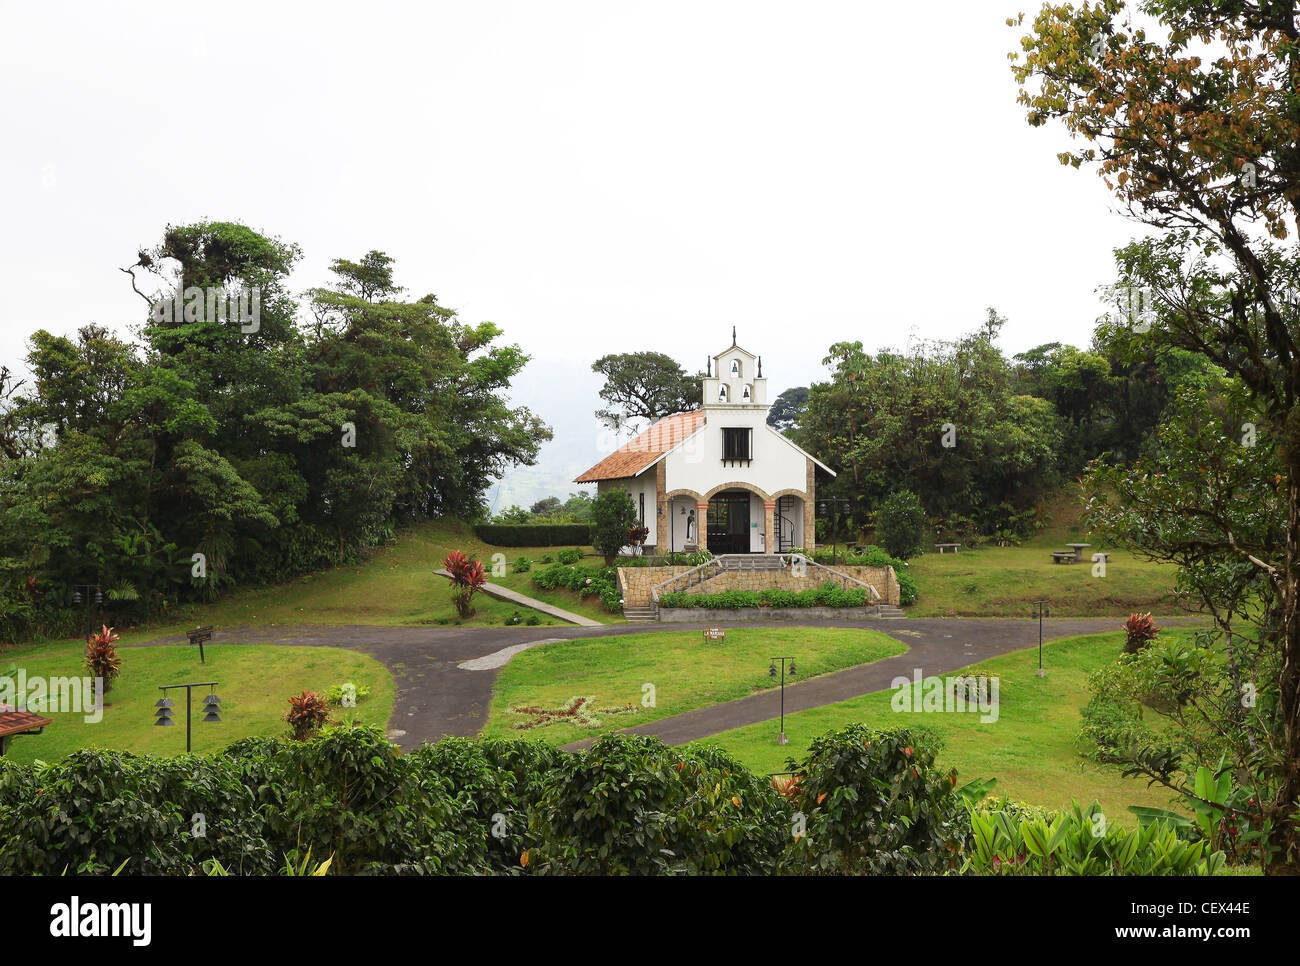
{"type": "Point", "coordinates": [690, 525]}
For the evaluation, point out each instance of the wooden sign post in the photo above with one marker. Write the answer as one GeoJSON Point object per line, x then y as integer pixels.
{"type": "Point", "coordinates": [715, 634]}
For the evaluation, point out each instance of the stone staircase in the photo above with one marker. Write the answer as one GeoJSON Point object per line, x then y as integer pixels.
{"type": "Point", "coordinates": [641, 615]}
{"type": "Point", "coordinates": [889, 612]}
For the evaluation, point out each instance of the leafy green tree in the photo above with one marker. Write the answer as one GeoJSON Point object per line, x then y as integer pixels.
{"type": "Point", "coordinates": [546, 507]}
{"type": "Point", "coordinates": [1194, 131]}
{"type": "Point", "coordinates": [232, 448]}
{"type": "Point", "coordinates": [899, 523]}
{"type": "Point", "coordinates": [644, 385]}
{"type": "Point", "coordinates": [942, 421]}
{"type": "Point", "coordinates": [784, 414]}
{"type": "Point", "coordinates": [613, 514]}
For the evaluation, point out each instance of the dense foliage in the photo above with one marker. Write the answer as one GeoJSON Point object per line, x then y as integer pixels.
{"type": "Point", "coordinates": [586, 582]}
{"type": "Point", "coordinates": [224, 450]}
{"type": "Point", "coordinates": [1192, 125]}
{"type": "Point", "coordinates": [981, 440]}
{"type": "Point", "coordinates": [860, 801]}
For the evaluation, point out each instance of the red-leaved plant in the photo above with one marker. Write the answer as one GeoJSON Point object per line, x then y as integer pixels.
{"type": "Point", "coordinates": [1140, 630]}
{"type": "Point", "coordinates": [307, 712]}
{"type": "Point", "coordinates": [467, 579]}
{"type": "Point", "coordinates": [101, 656]}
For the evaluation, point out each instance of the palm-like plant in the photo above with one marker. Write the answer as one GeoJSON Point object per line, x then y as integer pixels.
{"type": "Point", "coordinates": [467, 579]}
{"type": "Point", "coordinates": [101, 656]}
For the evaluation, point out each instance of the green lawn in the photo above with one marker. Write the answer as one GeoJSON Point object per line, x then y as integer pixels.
{"type": "Point", "coordinates": [396, 585]}
{"type": "Point", "coordinates": [1001, 581]}
{"type": "Point", "coordinates": [255, 683]}
{"type": "Point", "coordinates": [1029, 749]}
{"type": "Point", "coordinates": [686, 673]}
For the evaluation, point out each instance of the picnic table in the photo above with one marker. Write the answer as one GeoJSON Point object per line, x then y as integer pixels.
{"type": "Point", "coordinates": [1078, 549]}
{"type": "Point", "coordinates": [944, 547]}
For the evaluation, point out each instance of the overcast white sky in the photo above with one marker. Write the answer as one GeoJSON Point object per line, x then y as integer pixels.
{"type": "Point", "coordinates": [592, 177]}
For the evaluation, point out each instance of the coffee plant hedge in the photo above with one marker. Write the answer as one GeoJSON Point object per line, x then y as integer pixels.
{"type": "Point", "coordinates": [861, 801]}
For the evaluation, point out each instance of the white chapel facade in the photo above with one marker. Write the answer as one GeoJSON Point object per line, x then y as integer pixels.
{"type": "Point", "coordinates": [719, 477]}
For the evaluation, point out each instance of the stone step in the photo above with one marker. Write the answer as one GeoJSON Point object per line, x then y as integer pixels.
{"type": "Point", "coordinates": [889, 612]}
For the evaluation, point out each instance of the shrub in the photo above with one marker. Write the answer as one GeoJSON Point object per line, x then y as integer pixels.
{"type": "Point", "coordinates": [876, 803]}
{"type": "Point", "coordinates": [613, 514]}
{"type": "Point", "coordinates": [467, 579]}
{"type": "Point", "coordinates": [532, 535]}
{"type": "Point", "coordinates": [633, 805]}
{"type": "Point", "coordinates": [583, 581]}
{"type": "Point", "coordinates": [569, 555]}
{"type": "Point", "coordinates": [828, 595]}
{"type": "Point", "coordinates": [1139, 631]}
{"type": "Point", "coordinates": [307, 713]}
{"type": "Point", "coordinates": [1079, 841]}
{"type": "Point", "coordinates": [101, 656]}
{"type": "Point", "coordinates": [523, 565]}
{"type": "Point", "coordinates": [899, 523]}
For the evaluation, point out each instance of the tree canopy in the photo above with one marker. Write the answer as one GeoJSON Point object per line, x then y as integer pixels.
{"type": "Point", "coordinates": [224, 449]}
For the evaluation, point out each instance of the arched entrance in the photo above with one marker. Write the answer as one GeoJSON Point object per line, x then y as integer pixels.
{"type": "Point", "coordinates": [728, 525]}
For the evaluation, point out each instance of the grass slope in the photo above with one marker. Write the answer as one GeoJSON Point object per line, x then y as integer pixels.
{"type": "Point", "coordinates": [1002, 581]}
{"type": "Point", "coordinates": [686, 673]}
{"type": "Point", "coordinates": [1030, 749]}
{"type": "Point", "coordinates": [395, 586]}
{"type": "Point", "coordinates": [255, 683]}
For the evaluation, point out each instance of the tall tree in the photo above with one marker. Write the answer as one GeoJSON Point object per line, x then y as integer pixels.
{"type": "Point", "coordinates": [644, 386]}
{"type": "Point", "coordinates": [1197, 133]}
{"type": "Point", "coordinates": [783, 416]}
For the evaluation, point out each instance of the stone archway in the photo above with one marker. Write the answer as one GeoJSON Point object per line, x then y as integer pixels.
{"type": "Point", "coordinates": [730, 519]}
{"type": "Point", "coordinates": [682, 526]}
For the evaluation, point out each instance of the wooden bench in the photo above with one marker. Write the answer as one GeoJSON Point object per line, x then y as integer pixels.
{"type": "Point", "coordinates": [945, 547]}
{"type": "Point", "coordinates": [1063, 556]}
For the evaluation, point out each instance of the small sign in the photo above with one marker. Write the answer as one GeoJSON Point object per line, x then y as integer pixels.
{"type": "Point", "coordinates": [715, 634]}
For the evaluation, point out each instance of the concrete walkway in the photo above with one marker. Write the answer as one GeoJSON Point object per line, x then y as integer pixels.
{"type": "Point", "coordinates": [514, 597]}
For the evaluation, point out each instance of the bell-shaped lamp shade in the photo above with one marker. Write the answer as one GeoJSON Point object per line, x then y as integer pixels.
{"type": "Point", "coordinates": [212, 716]}
{"type": "Point", "coordinates": [164, 702]}
{"type": "Point", "coordinates": [792, 669]}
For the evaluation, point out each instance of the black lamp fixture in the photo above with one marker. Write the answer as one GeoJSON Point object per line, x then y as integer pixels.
{"type": "Point", "coordinates": [77, 597]}
{"type": "Point", "coordinates": [211, 705]}
{"type": "Point", "coordinates": [781, 739]}
{"type": "Point", "coordinates": [164, 713]}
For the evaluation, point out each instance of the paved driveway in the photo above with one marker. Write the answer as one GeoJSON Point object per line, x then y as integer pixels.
{"type": "Point", "coordinates": [435, 698]}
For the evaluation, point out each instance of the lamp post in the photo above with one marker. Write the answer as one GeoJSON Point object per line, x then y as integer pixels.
{"type": "Point", "coordinates": [832, 504]}
{"type": "Point", "coordinates": [1040, 611]}
{"type": "Point", "coordinates": [78, 596]}
{"type": "Point", "coordinates": [771, 672]}
{"type": "Point", "coordinates": [164, 714]}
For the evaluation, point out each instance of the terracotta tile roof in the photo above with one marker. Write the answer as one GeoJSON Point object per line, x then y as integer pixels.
{"type": "Point", "coordinates": [634, 456]}
{"type": "Point", "coordinates": [13, 722]}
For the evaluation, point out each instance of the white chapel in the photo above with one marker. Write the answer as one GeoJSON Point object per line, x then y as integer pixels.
{"type": "Point", "coordinates": [719, 477]}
